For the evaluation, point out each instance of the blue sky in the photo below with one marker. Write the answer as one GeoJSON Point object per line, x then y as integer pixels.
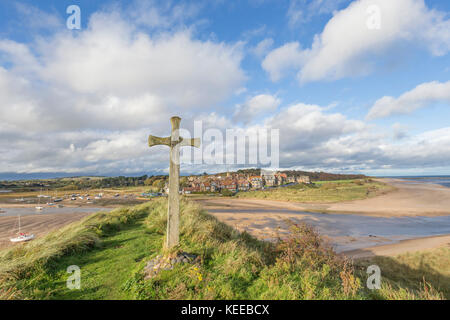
{"type": "Point", "coordinates": [353, 86]}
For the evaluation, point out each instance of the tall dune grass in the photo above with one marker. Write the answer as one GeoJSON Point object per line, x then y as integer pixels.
{"type": "Point", "coordinates": [230, 264]}
{"type": "Point", "coordinates": [23, 260]}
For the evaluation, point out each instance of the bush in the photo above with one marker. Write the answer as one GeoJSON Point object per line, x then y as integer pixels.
{"type": "Point", "coordinates": [226, 193]}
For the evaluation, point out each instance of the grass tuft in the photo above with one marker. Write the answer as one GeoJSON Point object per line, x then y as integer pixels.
{"type": "Point", "coordinates": [112, 250]}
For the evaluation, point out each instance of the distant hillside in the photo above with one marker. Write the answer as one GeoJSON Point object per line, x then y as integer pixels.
{"type": "Point", "coordinates": [324, 176]}
{"type": "Point", "coordinates": [314, 176]}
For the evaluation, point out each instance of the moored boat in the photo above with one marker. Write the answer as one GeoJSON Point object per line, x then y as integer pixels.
{"type": "Point", "coordinates": [22, 236]}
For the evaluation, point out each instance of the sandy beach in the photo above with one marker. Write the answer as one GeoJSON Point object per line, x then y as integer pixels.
{"type": "Point", "coordinates": [411, 245]}
{"type": "Point", "coordinates": [266, 219]}
{"type": "Point", "coordinates": [407, 199]}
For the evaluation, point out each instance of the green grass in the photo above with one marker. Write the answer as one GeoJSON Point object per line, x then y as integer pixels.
{"type": "Point", "coordinates": [103, 245]}
{"type": "Point", "coordinates": [322, 191]}
{"type": "Point", "coordinates": [112, 249]}
{"type": "Point", "coordinates": [425, 272]}
{"type": "Point", "coordinates": [104, 269]}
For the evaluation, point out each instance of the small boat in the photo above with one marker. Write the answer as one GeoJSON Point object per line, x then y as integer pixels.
{"type": "Point", "coordinates": [22, 236]}
{"type": "Point", "coordinates": [39, 207]}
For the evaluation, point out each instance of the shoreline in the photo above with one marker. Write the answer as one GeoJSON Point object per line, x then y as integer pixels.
{"type": "Point", "coordinates": [428, 200]}
{"type": "Point", "coordinates": [264, 218]}
{"type": "Point", "coordinates": [400, 247]}
{"type": "Point", "coordinates": [265, 221]}
{"type": "Point", "coordinates": [31, 205]}
{"type": "Point", "coordinates": [39, 225]}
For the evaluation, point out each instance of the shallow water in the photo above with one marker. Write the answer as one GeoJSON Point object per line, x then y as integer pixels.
{"type": "Point", "coordinates": [47, 210]}
{"type": "Point", "coordinates": [366, 230]}
{"type": "Point", "coordinates": [442, 180]}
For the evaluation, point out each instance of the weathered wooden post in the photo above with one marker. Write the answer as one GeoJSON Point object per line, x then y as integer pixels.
{"type": "Point", "coordinates": [174, 142]}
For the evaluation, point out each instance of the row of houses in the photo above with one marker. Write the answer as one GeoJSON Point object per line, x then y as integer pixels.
{"type": "Point", "coordinates": [239, 182]}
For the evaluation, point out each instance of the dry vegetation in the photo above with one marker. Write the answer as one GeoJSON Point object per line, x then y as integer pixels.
{"type": "Point", "coordinates": [113, 248]}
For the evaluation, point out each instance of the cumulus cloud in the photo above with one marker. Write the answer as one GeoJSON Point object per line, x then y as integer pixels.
{"type": "Point", "coordinates": [349, 41]}
{"type": "Point", "coordinates": [36, 19]}
{"type": "Point", "coordinates": [301, 11]}
{"type": "Point", "coordinates": [304, 126]}
{"type": "Point", "coordinates": [255, 107]}
{"type": "Point", "coordinates": [285, 58]}
{"type": "Point", "coordinates": [86, 101]}
{"type": "Point", "coordinates": [262, 47]}
{"type": "Point", "coordinates": [419, 97]}
{"type": "Point", "coordinates": [166, 15]}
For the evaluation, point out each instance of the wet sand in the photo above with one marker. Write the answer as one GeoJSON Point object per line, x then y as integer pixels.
{"type": "Point", "coordinates": [408, 199]}
{"type": "Point", "coordinates": [39, 224]}
{"type": "Point", "coordinates": [426, 200]}
{"type": "Point", "coordinates": [266, 219]}
{"type": "Point", "coordinates": [412, 245]}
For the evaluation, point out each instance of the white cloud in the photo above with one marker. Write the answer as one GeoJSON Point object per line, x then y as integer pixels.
{"type": "Point", "coordinates": [37, 19]}
{"type": "Point", "coordinates": [400, 131]}
{"type": "Point", "coordinates": [303, 126]}
{"type": "Point", "coordinates": [301, 11]}
{"type": "Point", "coordinates": [255, 107]}
{"type": "Point", "coordinates": [428, 149]}
{"type": "Point", "coordinates": [262, 47]}
{"type": "Point", "coordinates": [112, 76]}
{"type": "Point", "coordinates": [173, 67]}
{"type": "Point", "coordinates": [295, 13]}
{"type": "Point", "coordinates": [419, 97]}
{"type": "Point", "coordinates": [152, 14]}
{"type": "Point", "coordinates": [346, 43]}
{"type": "Point", "coordinates": [86, 101]}
{"type": "Point", "coordinates": [314, 139]}
{"type": "Point", "coordinates": [287, 57]}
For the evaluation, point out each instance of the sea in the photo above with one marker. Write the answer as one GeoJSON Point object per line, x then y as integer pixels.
{"type": "Point", "coordinates": [441, 180]}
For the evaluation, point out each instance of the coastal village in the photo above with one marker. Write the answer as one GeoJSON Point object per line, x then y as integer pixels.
{"type": "Point", "coordinates": [234, 182]}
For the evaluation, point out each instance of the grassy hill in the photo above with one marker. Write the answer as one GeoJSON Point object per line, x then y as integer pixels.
{"type": "Point", "coordinates": [322, 191]}
{"type": "Point", "coordinates": [112, 248]}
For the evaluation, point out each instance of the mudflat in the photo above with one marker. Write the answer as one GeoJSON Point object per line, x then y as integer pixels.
{"type": "Point", "coordinates": [408, 199]}
{"type": "Point", "coordinates": [266, 219]}
{"type": "Point", "coordinates": [411, 245]}
{"type": "Point", "coordinates": [38, 225]}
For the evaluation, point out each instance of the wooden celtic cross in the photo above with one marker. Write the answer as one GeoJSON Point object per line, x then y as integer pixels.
{"type": "Point", "coordinates": [174, 142]}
